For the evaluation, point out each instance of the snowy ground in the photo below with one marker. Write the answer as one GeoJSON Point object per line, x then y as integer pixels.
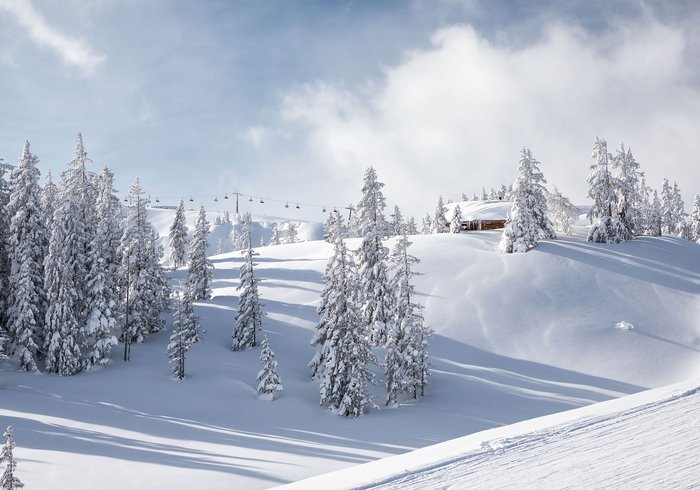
{"type": "Point", "coordinates": [648, 440]}
{"type": "Point", "coordinates": [516, 337]}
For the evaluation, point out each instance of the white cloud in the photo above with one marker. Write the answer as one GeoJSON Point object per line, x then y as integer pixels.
{"type": "Point", "coordinates": [255, 135]}
{"type": "Point", "coordinates": [454, 117]}
{"type": "Point", "coordinates": [73, 51]}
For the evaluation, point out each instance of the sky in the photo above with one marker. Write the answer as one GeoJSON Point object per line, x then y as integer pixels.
{"type": "Point", "coordinates": [290, 101]}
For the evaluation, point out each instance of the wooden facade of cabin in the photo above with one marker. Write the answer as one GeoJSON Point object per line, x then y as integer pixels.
{"type": "Point", "coordinates": [482, 224]}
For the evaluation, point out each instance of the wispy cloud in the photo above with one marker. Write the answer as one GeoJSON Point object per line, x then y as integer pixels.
{"type": "Point", "coordinates": [73, 51]}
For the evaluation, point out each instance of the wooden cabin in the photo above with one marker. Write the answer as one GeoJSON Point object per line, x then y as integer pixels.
{"type": "Point", "coordinates": [480, 215]}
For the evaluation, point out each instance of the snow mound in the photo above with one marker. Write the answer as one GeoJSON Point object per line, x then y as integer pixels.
{"type": "Point", "coordinates": [623, 325]}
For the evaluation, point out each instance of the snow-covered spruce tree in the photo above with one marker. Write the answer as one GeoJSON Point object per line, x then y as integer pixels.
{"type": "Point", "coordinates": [249, 315]}
{"type": "Point", "coordinates": [369, 211]}
{"type": "Point", "coordinates": [102, 279]}
{"type": "Point", "coordinates": [292, 233]}
{"type": "Point", "coordinates": [8, 480]}
{"type": "Point", "coordinates": [200, 271]}
{"type": "Point", "coordinates": [269, 381]}
{"type": "Point", "coordinates": [275, 239]}
{"type": "Point", "coordinates": [427, 225]}
{"type": "Point", "coordinates": [332, 229]}
{"type": "Point", "coordinates": [144, 286]}
{"type": "Point", "coordinates": [695, 220]}
{"type": "Point", "coordinates": [456, 220]}
{"type": "Point", "coordinates": [561, 212]}
{"type": "Point", "coordinates": [27, 247]}
{"type": "Point", "coordinates": [654, 216]}
{"type": "Point", "coordinates": [397, 223]}
{"type": "Point", "coordinates": [601, 184]}
{"type": "Point", "coordinates": [678, 209]}
{"type": "Point", "coordinates": [527, 221]}
{"type": "Point", "coordinates": [344, 372]}
{"type": "Point", "coordinates": [327, 295]}
{"type": "Point", "coordinates": [371, 225]}
{"type": "Point", "coordinates": [668, 222]}
{"type": "Point", "coordinates": [178, 237]}
{"type": "Point", "coordinates": [4, 249]}
{"type": "Point", "coordinates": [219, 246]}
{"type": "Point", "coordinates": [439, 222]}
{"type": "Point", "coordinates": [627, 181]}
{"type": "Point", "coordinates": [398, 361]}
{"type": "Point", "coordinates": [49, 199]}
{"type": "Point", "coordinates": [185, 333]}
{"type": "Point", "coordinates": [65, 334]}
{"type": "Point", "coordinates": [411, 228]}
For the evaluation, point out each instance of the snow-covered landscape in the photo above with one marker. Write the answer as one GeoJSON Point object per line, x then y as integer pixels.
{"type": "Point", "coordinates": [398, 244]}
{"type": "Point", "coordinates": [516, 337]}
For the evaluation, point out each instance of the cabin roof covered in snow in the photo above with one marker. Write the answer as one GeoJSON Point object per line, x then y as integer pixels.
{"type": "Point", "coordinates": [480, 210]}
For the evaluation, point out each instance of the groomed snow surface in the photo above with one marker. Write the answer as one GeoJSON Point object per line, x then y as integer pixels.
{"type": "Point", "coordinates": [516, 337]}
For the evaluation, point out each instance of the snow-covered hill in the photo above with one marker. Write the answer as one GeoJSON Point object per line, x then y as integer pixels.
{"type": "Point", "coordinates": [646, 440]}
{"type": "Point", "coordinates": [516, 337]}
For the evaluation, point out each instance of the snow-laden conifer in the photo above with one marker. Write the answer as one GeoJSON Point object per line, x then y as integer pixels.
{"type": "Point", "coordinates": [292, 233]}
{"type": "Point", "coordinates": [102, 279]}
{"type": "Point", "coordinates": [527, 221]}
{"type": "Point", "coordinates": [427, 225]}
{"type": "Point", "coordinates": [397, 222]}
{"type": "Point", "coordinates": [655, 216]}
{"type": "Point", "coordinates": [344, 374]}
{"type": "Point", "coordinates": [145, 291]}
{"type": "Point", "coordinates": [456, 220]}
{"type": "Point", "coordinates": [185, 333]}
{"type": "Point", "coordinates": [219, 246]}
{"type": "Point", "coordinates": [561, 212]}
{"type": "Point", "coordinates": [27, 247]}
{"type": "Point", "coordinates": [411, 228]}
{"type": "Point", "coordinates": [4, 249]}
{"type": "Point", "coordinates": [275, 239]}
{"type": "Point", "coordinates": [678, 209]}
{"type": "Point", "coordinates": [8, 479]}
{"type": "Point", "coordinates": [65, 333]}
{"type": "Point", "coordinates": [320, 336]}
{"type": "Point", "coordinates": [200, 270]}
{"type": "Point", "coordinates": [627, 181]}
{"type": "Point", "coordinates": [375, 296]}
{"type": "Point", "coordinates": [668, 215]}
{"type": "Point", "coordinates": [330, 228]}
{"type": "Point", "coordinates": [178, 237]}
{"type": "Point", "coordinates": [269, 381]}
{"type": "Point", "coordinates": [249, 316]}
{"type": "Point", "coordinates": [439, 221]}
{"type": "Point", "coordinates": [601, 184]}
{"type": "Point", "coordinates": [695, 219]}
{"type": "Point", "coordinates": [369, 212]}
{"type": "Point", "coordinates": [407, 359]}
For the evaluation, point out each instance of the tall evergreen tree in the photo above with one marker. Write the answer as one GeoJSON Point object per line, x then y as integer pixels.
{"type": "Point", "coordinates": [527, 222]}
{"type": "Point", "coordinates": [4, 250]}
{"type": "Point", "coordinates": [275, 239]}
{"type": "Point", "coordinates": [397, 222]}
{"type": "Point", "coordinates": [292, 233]}
{"type": "Point", "coordinates": [411, 228]}
{"type": "Point", "coordinates": [200, 271]}
{"type": "Point", "coordinates": [327, 296]}
{"type": "Point", "coordinates": [561, 212]}
{"type": "Point", "coordinates": [439, 221]}
{"type": "Point", "coordinates": [65, 335]}
{"type": "Point", "coordinates": [668, 218]}
{"type": "Point", "coordinates": [344, 372]}
{"type": "Point", "coordinates": [406, 365]}
{"type": "Point", "coordinates": [456, 220]}
{"type": "Point", "coordinates": [178, 237]}
{"type": "Point", "coordinates": [678, 209]}
{"type": "Point", "coordinates": [102, 279]}
{"type": "Point", "coordinates": [145, 291]}
{"type": "Point", "coordinates": [601, 185]}
{"type": "Point", "coordinates": [369, 212]}
{"type": "Point", "coordinates": [27, 242]}
{"type": "Point", "coordinates": [627, 183]}
{"type": "Point", "coordinates": [249, 316]}
{"type": "Point", "coordinates": [427, 225]}
{"type": "Point", "coordinates": [695, 220]}
{"type": "Point", "coordinates": [8, 479]}
{"type": "Point", "coordinates": [185, 333]}
{"type": "Point", "coordinates": [268, 379]}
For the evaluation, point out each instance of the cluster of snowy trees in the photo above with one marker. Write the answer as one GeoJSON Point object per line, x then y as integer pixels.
{"type": "Point", "coordinates": [73, 273]}
{"type": "Point", "coordinates": [368, 301]}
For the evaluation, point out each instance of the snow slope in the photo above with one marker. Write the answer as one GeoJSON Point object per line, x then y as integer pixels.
{"type": "Point", "coordinates": [647, 440]}
{"type": "Point", "coordinates": [516, 337]}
